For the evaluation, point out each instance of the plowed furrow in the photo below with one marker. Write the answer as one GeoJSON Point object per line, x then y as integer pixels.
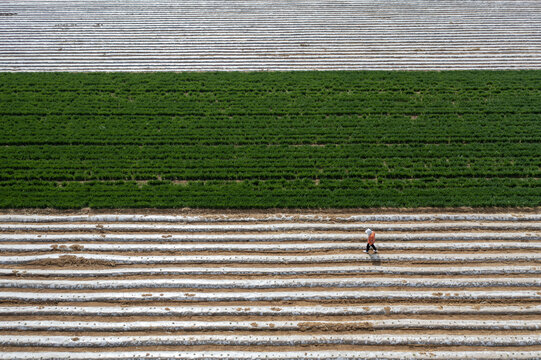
{"type": "Point", "coordinates": [285, 237]}
{"type": "Point", "coordinates": [285, 259]}
{"type": "Point", "coordinates": [369, 282]}
{"type": "Point", "coordinates": [235, 311]}
{"type": "Point", "coordinates": [309, 247]}
{"type": "Point", "coordinates": [44, 297]}
{"type": "Point", "coordinates": [274, 325]}
{"type": "Point", "coordinates": [275, 271]}
{"type": "Point", "coordinates": [269, 340]}
{"type": "Point", "coordinates": [286, 355]}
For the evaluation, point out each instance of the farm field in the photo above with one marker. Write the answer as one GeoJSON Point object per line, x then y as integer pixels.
{"type": "Point", "coordinates": [164, 195]}
{"type": "Point", "coordinates": [241, 35]}
{"type": "Point", "coordinates": [269, 285]}
{"type": "Point", "coordinates": [263, 140]}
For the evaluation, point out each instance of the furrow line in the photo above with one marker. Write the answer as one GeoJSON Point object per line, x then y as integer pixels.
{"type": "Point", "coordinates": [401, 324]}
{"type": "Point", "coordinates": [281, 259]}
{"type": "Point", "coordinates": [271, 340]}
{"type": "Point", "coordinates": [381, 295]}
{"type": "Point", "coordinates": [324, 270]}
{"type": "Point", "coordinates": [267, 283]}
{"type": "Point", "coordinates": [274, 355]}
{"type": "Point", "coordinates": [267, 247]}
{"type": "Point", "coordinates": [167, 237]}
{"type": "Point", "coordinates": [315, 310]}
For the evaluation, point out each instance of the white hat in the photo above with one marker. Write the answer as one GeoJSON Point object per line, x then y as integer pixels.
{"type": "Point", "coordinates": [368, 231]}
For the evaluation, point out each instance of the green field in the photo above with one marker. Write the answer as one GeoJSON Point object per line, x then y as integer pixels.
{"type": "Point", "coordinates": [262, 140]}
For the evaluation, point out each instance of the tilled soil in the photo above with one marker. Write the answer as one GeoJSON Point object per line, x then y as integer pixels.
{"type": "Point", "coordinates": [315, 324]}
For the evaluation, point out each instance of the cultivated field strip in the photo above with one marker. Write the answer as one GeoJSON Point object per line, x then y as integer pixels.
{"type": "Point", "coordinates": [166, 35]}
{"type": "Point", "coordinates": [312, 270]}
{"type": "Point", "coordinates": [529, 256]}
{"type": "Point", "coordinates": [273, 296]}
{"type": "Point", "coordinates": [326, 310]}
{"type": "Point", "coordinates": [283, 286]}
{"type": "Point", "coordinates": [266, 284]}
{"type": "Point", "coordinates": [274, 325]}
{"type": "Point", "coordinates": [289, 355]}
{"type": "Point", "coordinates": [270, 237]}
{"type": "Point", "coordinates": [401, 227]}
{"type": "Point", "coordinates": [270, 340]}
{"type": "Point", "coordinates": [266, 247]}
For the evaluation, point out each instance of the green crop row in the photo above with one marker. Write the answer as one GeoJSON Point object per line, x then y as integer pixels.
{"type": "Point", "coordinates": [265, 194]}
{"type": "Point", "coordinates": [288, 139]}
{"type": "Point", "coordinates": [83, 163]}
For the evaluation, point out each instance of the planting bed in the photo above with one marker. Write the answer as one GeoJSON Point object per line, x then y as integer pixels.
{"type": "Point", "coordinates": [256, 285]}
{"type": "Point", "coordinates": [241, 35]}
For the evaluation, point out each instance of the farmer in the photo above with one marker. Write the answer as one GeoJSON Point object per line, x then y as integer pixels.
{"type": "Point", "coordinates": [371, 240]}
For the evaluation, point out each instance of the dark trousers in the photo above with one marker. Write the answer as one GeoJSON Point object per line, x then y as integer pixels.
{"type": "Point", "coordinates": [368, 247]}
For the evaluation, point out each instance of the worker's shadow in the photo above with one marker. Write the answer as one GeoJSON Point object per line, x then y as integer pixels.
{"type": "Point", "coordinates": [375, 259]}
